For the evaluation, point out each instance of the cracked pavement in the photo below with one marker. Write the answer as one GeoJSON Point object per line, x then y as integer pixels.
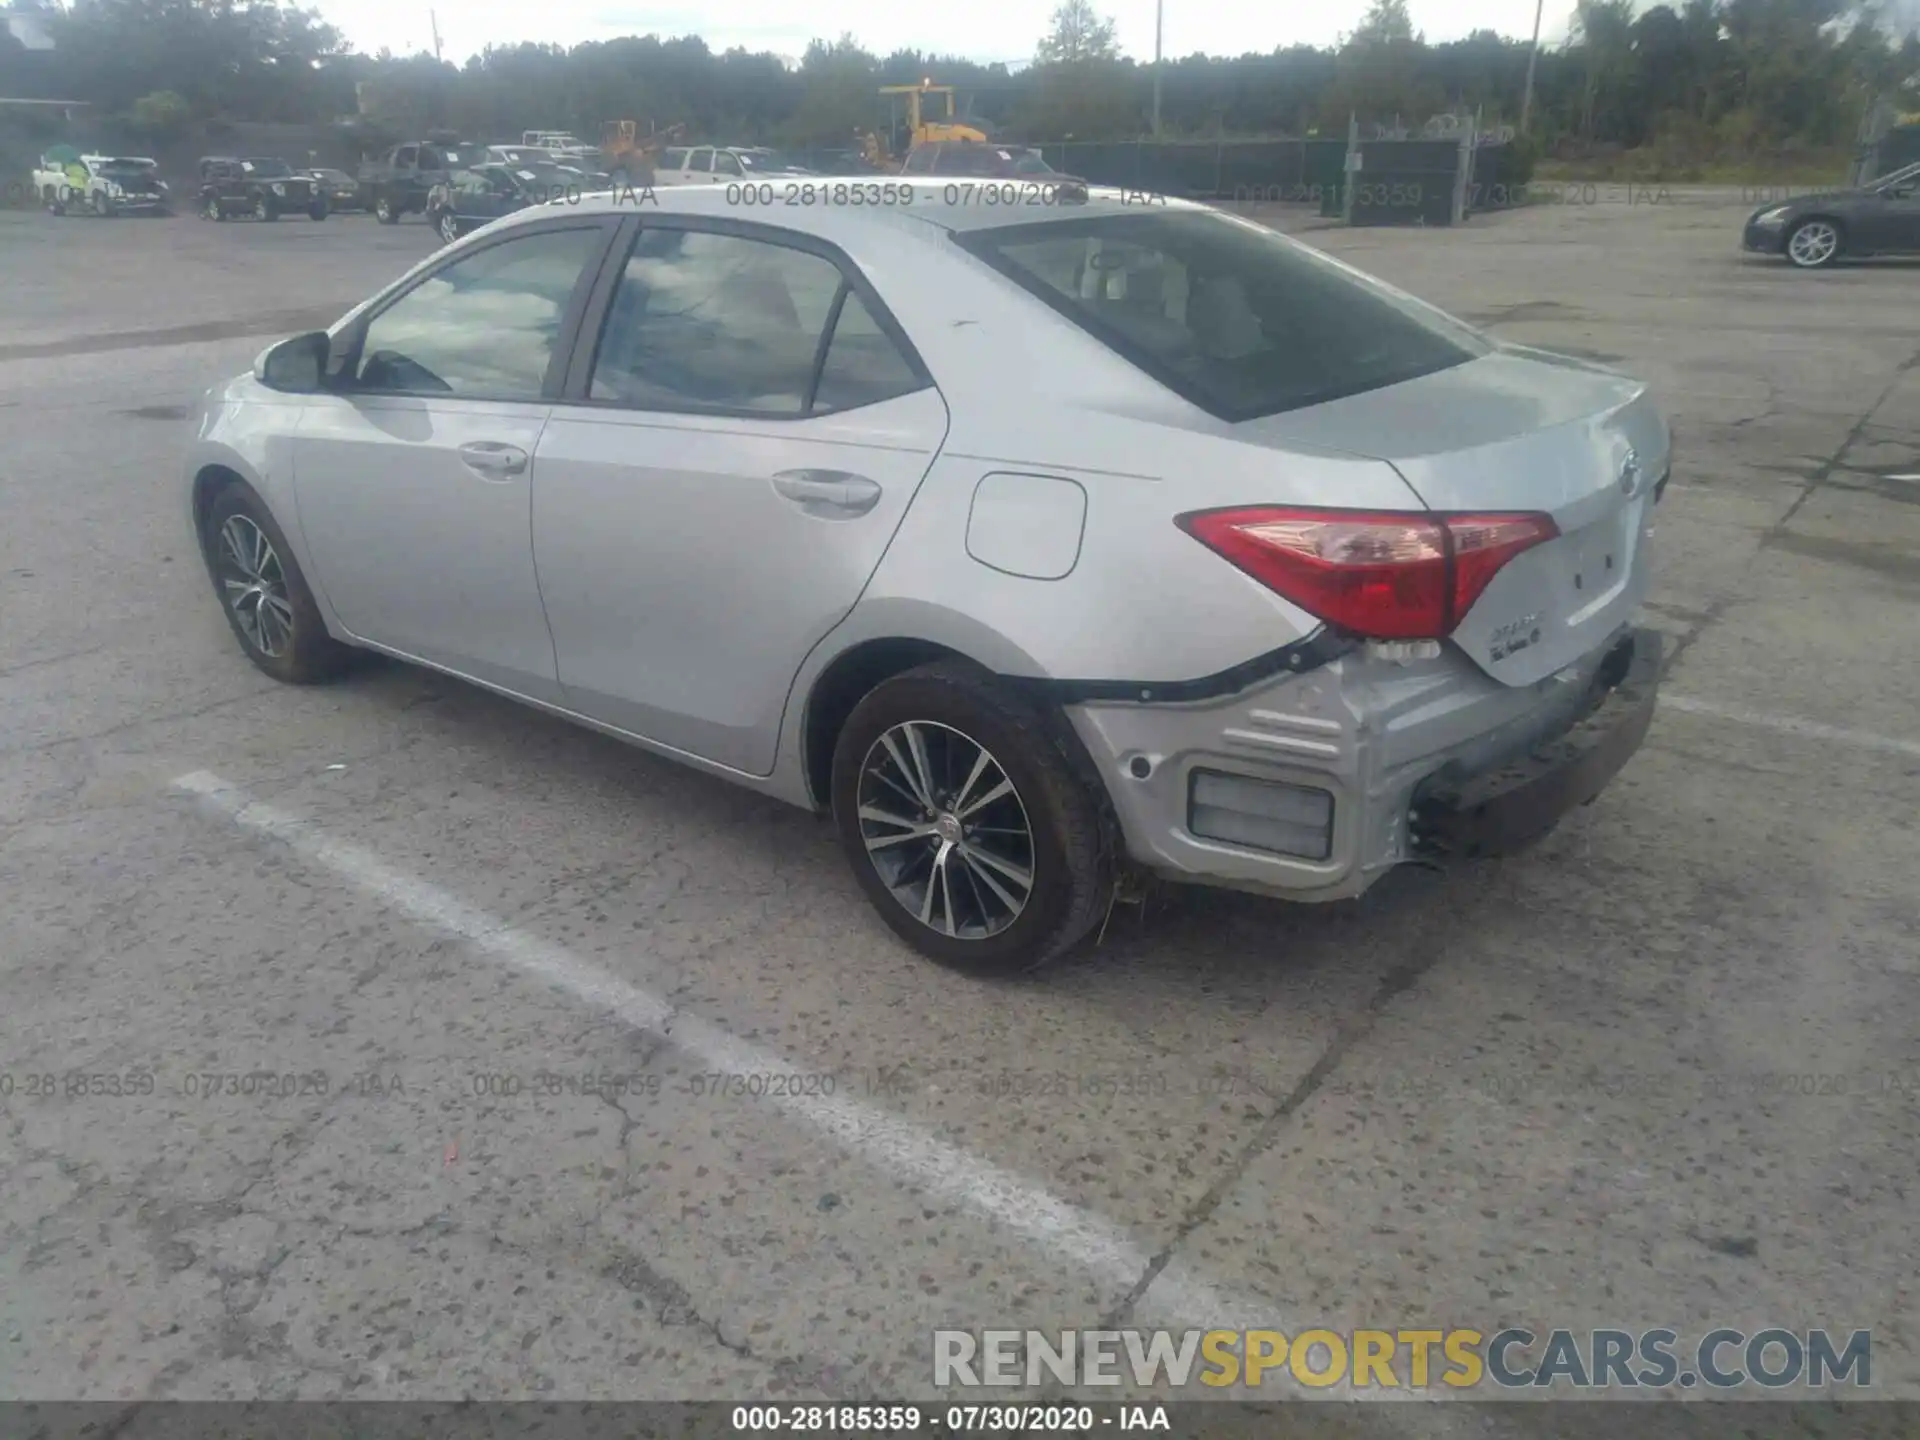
{"type": "Point", "coordinates": [1543, 1092]}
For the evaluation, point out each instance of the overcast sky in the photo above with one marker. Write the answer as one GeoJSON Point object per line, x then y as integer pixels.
{"type": "Point", "coordinates": [983, 30]}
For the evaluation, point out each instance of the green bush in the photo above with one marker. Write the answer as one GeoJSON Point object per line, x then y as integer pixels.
{"type": "Point", "coordinates": [161, 114]}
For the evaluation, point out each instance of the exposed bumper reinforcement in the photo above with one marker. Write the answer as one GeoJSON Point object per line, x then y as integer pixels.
{"type": "Point", "coordinates": [1508, 809]}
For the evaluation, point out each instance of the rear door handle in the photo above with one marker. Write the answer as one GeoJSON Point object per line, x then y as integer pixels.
{"type": "Point", "coordinates": [494, 459]}
{"type": "Point", "coordinates": [832, 493]}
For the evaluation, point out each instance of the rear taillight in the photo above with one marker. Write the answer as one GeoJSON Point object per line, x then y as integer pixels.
{"type": "Point", "coordinates": [1382, 575]}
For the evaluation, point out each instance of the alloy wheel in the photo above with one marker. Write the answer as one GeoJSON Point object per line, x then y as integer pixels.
{"type": "Point", "coordinates": [449, 228]}
{"type": "Point", "coordinates": [945, 830]}
{"type": "Point", "coordinates": [1814, 243]}
{"type": "Point", "coordinates": [255, 585]}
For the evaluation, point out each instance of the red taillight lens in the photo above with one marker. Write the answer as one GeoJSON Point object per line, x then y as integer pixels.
{"type": "Point", "coordinates": [1383, 575]}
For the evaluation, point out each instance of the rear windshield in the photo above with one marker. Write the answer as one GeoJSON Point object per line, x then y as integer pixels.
{"type": "Point", "coordinates": [1225, 312]}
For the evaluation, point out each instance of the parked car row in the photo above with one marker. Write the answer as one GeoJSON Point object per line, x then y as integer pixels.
{"type": "Point", "coordinates": [457, 185]}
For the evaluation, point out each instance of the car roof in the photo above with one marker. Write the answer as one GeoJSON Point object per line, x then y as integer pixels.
{"type": "Point", "coordinates": [932, 207]}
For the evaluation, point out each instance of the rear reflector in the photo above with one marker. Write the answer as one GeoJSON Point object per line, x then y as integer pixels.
{"type": "Point", "coordinates": [1263, 814]}
{"type": "Point", "coordinates": [1383, 575]}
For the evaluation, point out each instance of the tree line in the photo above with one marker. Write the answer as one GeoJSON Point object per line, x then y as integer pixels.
{"type": "Point", "coordinates": [1725, 76]}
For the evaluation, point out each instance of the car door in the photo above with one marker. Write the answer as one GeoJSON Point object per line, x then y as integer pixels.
{"type": "Point", "coordinates": [720, 478]}
{"type": "Point", "coordinates": [1895, 218]}
{"type": "Point", "coordinates": [412, 472]}
{"type": "Point", "coordinates": [726, 165]}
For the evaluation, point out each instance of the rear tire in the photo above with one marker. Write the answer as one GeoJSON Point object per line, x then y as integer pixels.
{"type": "Point", "coordinates": [317, 210]}
{"type": "Point", "coordinates": [262, 593]}
{"type": "Point", "coordinates": [264, 210]}
{"type": "Point", "coordinates": [385, 212]}
{"type": "Point", "coordinates": [987, 886]}
{"type": "Point", "coordinates": [447, 226]}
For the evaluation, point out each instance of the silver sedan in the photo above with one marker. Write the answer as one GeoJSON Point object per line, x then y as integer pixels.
{"type": "Point", "coordinates": [1045, 540]}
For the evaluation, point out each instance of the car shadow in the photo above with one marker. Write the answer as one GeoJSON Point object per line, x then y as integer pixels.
{"type": "Point", "coordinates": [1181, 943]}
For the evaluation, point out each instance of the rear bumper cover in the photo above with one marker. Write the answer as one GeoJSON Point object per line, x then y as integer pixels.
{"type": "Point", "coordinates": [1509, 808]}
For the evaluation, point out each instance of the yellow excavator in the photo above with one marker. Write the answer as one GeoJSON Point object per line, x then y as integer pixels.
{"type": "Point", "coordinates": [923, 128]}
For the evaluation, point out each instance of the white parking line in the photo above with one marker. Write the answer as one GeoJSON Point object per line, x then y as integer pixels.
{"type": "Point", "coordinates": [1792, 725]}
{"type": "Point", "coordinates": [888, 1142]}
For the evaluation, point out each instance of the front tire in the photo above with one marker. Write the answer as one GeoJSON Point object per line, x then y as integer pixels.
{"type": "Point", "coordinates": [967, 822]}
{"type": "Point", "coordinates": [1815, 244]}
{"type": "Point", "coordinates": [264, 596]}
{"type": "Point", "coordinates": [264, 210]}
{"type": "Point", "coordinates": [447, 226]}
{"type": "Point", "coordinates": [317, 210]}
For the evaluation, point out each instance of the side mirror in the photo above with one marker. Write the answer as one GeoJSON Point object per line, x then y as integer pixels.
{"type": "Point", "coordinates": [295, 367]}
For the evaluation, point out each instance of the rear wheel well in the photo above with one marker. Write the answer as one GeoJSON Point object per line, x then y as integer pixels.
{"type": "Point", "coordinates": [841, 686]}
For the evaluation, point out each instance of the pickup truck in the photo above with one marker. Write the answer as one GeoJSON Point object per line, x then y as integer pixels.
{"type": "Point", "coordinates": [709, 164]}
{"type": "Point", "coordinates": [399, 183]}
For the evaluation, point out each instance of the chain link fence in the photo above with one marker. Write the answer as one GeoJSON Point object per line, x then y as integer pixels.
{"type": "Point", "coordinates": [1391, 178]}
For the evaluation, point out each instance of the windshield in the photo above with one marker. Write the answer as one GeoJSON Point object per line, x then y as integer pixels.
{"type": "Point", "coordinates": [764, 160]}
{"type": "Point", "coordinates": [267, 169]}
{"type": "Point", "coordinates": [1224, 312]}
{"type": "Point", "coordinates": [1029, 162]}
{"type": "Point", "coordinates": [1905, 175]}
{"type": "Point", "coordinates": [125, 167]}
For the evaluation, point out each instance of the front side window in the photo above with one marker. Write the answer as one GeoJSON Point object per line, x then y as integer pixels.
{"type": "Point", "coordinates": [405, 155]}
{"type": "Point", "coordinates": [920, 160]}
{"type": "Point", "coordinates": [703, 321]}
{"type": "Point", "coordinates": [484, 326]}
{"type": "Point", "coordinates": [702, 161]}
{"type": "Point", "coordinates": [725, 164]}
{"type": "Point", "coordinates": [1223, 311]}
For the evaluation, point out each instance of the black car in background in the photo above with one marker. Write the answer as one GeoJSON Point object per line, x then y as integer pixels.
{"type": "Point", "coordinates": [340, 188]}
{"type": "Point", "coordinates": [1817, 230]}
{"type": "Point", "coordinates": [261, 187]}
{"type": "Point", "coordinates": [478, 196]}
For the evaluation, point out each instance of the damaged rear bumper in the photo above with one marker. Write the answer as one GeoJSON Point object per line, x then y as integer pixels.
{"type": "Point", "coordinates": [1509, 808]}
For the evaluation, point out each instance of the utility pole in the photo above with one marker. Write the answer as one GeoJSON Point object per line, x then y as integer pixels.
{"type": "Point", "coordinates": [1159, 7]}
{"type": "Point", "coordinates": [434, 21]}
{"type": "Point", "coordinates": [1533, 53]}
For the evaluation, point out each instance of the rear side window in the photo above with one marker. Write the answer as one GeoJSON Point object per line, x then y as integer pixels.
{"type": "Point", "coordinates": [706, 322]}
{"type": "Point", "coordinates": [1225, 312]}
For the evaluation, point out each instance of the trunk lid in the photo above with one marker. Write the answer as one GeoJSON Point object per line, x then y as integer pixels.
{"type": "Point", "coordinates": [1522, 430]}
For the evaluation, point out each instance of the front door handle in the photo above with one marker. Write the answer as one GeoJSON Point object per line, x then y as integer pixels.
{"type": "Point", "coordinates": [830, 493]}
{"type": "Point", "coordinates": [493, 459]}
